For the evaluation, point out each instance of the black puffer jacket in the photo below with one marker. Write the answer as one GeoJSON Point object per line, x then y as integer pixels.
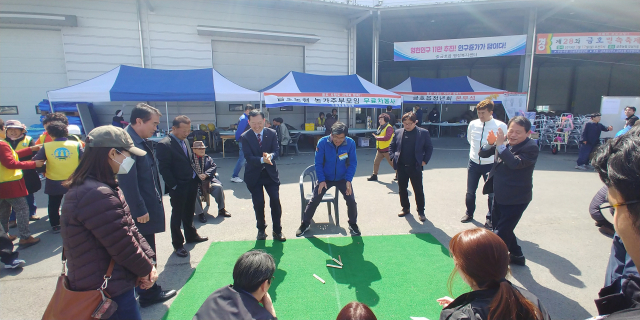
{"type": "Point", "coordinates": [474, 305]}
{"type": "Point", "coordinates": [96, 227]}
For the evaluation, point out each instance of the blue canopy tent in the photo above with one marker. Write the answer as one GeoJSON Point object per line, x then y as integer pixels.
{"type": "Point", "coordinates": [44, 105]}
{"type": "Point", "coordinates": [457, 90]}
{"type": "Point", "coordinates": [126, 83]}
{"type": "Point", "coordinates": [303, 89]}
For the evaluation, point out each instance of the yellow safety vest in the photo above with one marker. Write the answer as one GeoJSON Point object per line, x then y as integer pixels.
{"type": "Point", "coordinates": [7, 174]}
{"type": "Point", "coordinates": [384, 144]}
{"type": "Point", "coordinates": [43, 137]}
{"type": "Point", "coordinates": [63, 158]}
{"type": "Point", "coordinates": [24, 143]}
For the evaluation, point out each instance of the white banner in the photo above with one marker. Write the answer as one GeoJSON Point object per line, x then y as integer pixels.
{"type": "Point", "coordinates": [460, 48]}
{"type": "Point", "coordinates": [357, 100]}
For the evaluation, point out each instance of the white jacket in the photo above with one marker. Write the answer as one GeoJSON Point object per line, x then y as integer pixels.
{"type": "Point", "coordinates": [477, 134]}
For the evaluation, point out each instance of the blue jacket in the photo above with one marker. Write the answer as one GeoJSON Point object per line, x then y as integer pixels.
{"type": "Point", "coordinates": [243, 122]}
{"type": "Point", "coordinates": [330, 166]}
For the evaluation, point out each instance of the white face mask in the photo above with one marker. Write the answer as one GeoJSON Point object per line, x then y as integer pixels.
{"type": "Point", "coordinates": [126, 164]}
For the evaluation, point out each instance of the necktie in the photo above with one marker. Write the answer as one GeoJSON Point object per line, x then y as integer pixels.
{"type": "Point", "coordinates": [260, 140]}
{"type": "Point", "coordinates": [184, 147]}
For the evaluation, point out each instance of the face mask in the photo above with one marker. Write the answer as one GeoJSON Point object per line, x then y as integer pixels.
{"type": "Point", "coordinates": [126, 164]}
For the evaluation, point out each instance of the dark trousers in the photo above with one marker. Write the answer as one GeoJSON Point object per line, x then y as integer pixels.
{"type": "Point", "coordinates": [7, 255]}
{"type": "Point", "coordinates": [54, 209]}
{"type": "Point", "coordinates": [583, 154]}
{"type": "Point", "coordinates": [128, 307]}
{"type": "Point", "coordinates": [257, 196]}
{"type": "Point", "coordinates": [505, 218]}
{"type": "Point", "coordinates": [474, 172]}
{"type": "Point", "coordinates": [352, 208]}
{"type": "Point", "coordinates": [183, 206]}
{"type": "Point", "coordinates": [154, 291]}
{"type": "Point", "coordinates": [413, 173]}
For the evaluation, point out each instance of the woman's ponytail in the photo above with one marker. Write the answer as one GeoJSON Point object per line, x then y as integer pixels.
{"type": "Point", "coordinates": [509, 303]}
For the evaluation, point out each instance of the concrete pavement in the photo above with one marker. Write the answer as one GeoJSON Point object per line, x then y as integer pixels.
{"type": "Point", "coordinates": [566, 255]}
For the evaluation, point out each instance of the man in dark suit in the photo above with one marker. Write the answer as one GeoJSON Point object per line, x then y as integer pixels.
{"type": "Point", "coordinates": [410, 151]}
{"type": "Point", "coordinates": [511, 180]}
{"type": "Point", "coordinates": [181, 183]}
{"type": "Point", "coordinates": [142, 190]}
{"type": "Point", "coordinates": [260, 148]}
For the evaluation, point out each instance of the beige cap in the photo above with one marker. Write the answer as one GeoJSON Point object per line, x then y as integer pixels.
{"type": "Point", "coordinates": [198, 145]}
{"type": "Point", "coordinates": [112, 137]}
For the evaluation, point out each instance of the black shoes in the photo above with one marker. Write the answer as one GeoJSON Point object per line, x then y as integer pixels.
{"type": "Point", "coordinates": [466, 218]}
{"type": "Point", "coordinates": [396, 178]}
{"type": "Point", "coordinates": [279, 236]}
{"type": "Point", "coordinates": [224, 213]}
{"type": "Point", "coordinates": [55, 229]}
{"type": "Point", "coordinates": [422, 217]}
{"type": "Point", "coordinates": [198, 239]}
{"type": "Point", "coordinates": [488, 225]}
{"type": "Point", "coordinates": [517, 260]}
{"type": "Point", "coordinates": [403, 213]}
{"type": "Point", "coordinates": [303, 228]}
{"type": "Point", "coordinates": [202, 218]}
{"type": "Point", "coordinates": [163, 296]}
{"type": "Point", "coordinates": [374, 177]}
{"type": "Point", "coordinates": [354, 229]}
{"type": "Point", "coordinates": [182, 253]}
{"type": "Point", "coordinates": [262, 235]}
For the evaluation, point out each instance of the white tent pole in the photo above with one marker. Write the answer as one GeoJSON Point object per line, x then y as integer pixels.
{"type": "Point", "coordinates": [50, 104]}
{"type": "Point", "coordinates": [166, 108]}
{"type": "Point", "coordinates": [260, 101]}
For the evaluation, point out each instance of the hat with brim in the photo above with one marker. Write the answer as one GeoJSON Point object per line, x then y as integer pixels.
{"type": "Point", "coordinates": [112, 137]}
{"type": "Point", "coordinates": [198, 145]}
{"type": "Point", "coordinates": [15, 124]}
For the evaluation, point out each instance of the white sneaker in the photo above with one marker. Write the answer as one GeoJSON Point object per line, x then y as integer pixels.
{"type": "Point", "coordinates": [17, 263]}
{"type": "Point", "coordinates": [582, 167]}
{"type": "Point", "coordinates": [237, 179]}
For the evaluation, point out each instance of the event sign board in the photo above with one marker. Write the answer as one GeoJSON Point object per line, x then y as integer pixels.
{"type": "Point", "coordinates": [460, 48]}
{"type": "Point", "coordinates": [596, 42]}
{"type": "Point", "coordinates": [350, 100]}
{"type": "Point", "coordinates": [449, 97]}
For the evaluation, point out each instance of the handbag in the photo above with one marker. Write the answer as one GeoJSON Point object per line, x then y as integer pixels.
{"type": "Point", "coordinates": [80, 305]}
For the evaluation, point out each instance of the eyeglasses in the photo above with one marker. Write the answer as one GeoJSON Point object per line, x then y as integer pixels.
{"type": "Point", "coordinates": [612, 207]}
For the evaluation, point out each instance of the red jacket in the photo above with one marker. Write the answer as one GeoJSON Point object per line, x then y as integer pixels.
{"type": "Point", "coordinates": [14, 189]}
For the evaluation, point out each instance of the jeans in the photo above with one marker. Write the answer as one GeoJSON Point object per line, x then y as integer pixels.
{"type": "Point", "coordinates": [413, 173]}
{"type": "Point", "coordinates": [128, 307]}
{"type": "Point", "coordinates": [474, 172]}
{"type": "Point", "coordinates": [352, 206]}
{"type": "Point", "coordinates": [22, 210]}
{"type": "Point", "coordinates": [240, 163]}
{"type": "Point", "coordinates": [505, 218]}
{"type": "Point", "coordinates": [583, 154]}
{"type": "Point", "coordinates": [31, 201]}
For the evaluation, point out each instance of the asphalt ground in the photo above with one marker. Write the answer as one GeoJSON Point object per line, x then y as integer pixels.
{"type": "Point", "coordinates": [566, 254]}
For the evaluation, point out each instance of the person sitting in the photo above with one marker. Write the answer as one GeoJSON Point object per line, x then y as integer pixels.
{"type": "Point", "coordinates": [252, 277]}
{"type": "Point", "coordinates": [320, 120]}
{"type": "Point", "coordinates": [284, 138]}
{"type": "Point", "coordinates": [118, 120]}
{"type": "Point", "coordinates": [356, 311]}
{"type": "Point", "coordinates": [482, 260]}
{"type": "Point", "coordinates": [206, 170]}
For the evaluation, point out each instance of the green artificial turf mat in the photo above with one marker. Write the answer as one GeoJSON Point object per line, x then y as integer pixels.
{"type": "Point", "coordinates": [398, 276]}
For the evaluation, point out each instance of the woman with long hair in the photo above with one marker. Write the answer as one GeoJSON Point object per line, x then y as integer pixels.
{"type": "Point", "coordinates": [482, 260]}
{"type": "Point", "coordinates": [97, 228]}
{"type": "Point", "coordinates": [356, 311]}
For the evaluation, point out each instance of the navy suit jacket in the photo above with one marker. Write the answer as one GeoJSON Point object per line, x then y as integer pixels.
{"type": "Point", "coordinates": [424, 148]}
{"type": "Point", "coordinates": [253, 153]}
{"type": "Point", "coordinates": [175, 167]}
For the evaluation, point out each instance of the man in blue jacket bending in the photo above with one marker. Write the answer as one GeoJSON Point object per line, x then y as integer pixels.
{"type": "Point", "coordinates": [336, 164]}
